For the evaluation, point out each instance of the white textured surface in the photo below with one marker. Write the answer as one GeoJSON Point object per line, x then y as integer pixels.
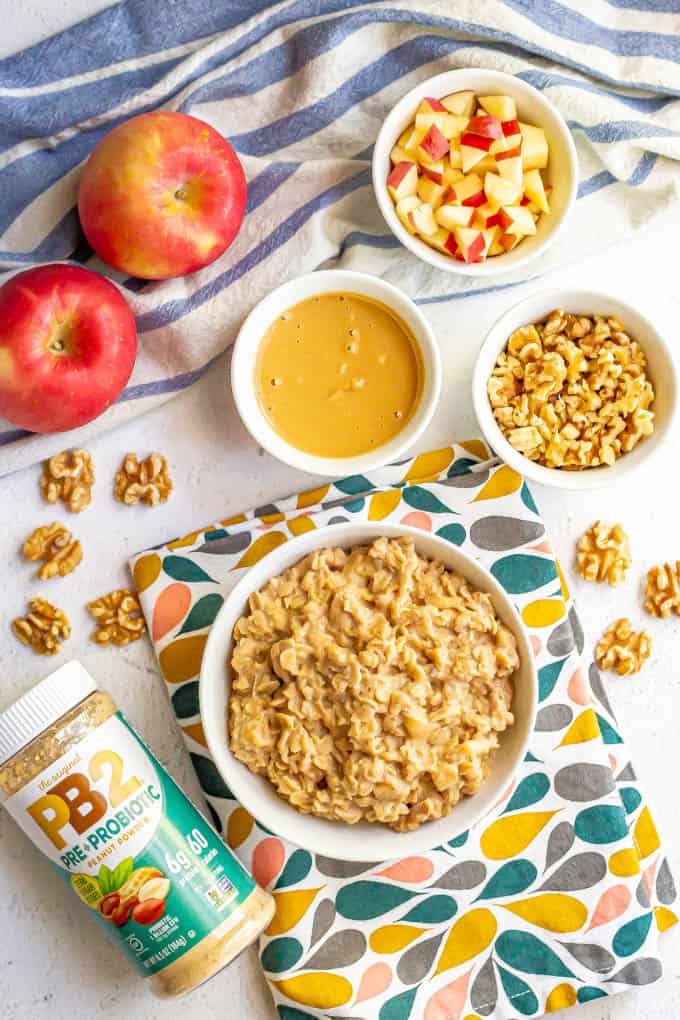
{"type": "Point", "coordinates": [55, 963]}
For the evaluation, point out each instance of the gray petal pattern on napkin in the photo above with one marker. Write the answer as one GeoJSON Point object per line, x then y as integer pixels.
{"type": "Point", "coordinates": [639, 972]}
{"type": "Point", "coordinates": [553, 717]}
{"type": "Point", "coordinates": [500, 533]}
{"type": "Point", "coordinates": [592, 956]}
{"type": "Point", "coordinates": [584, 781]}
{"type": "Point", "coordinates": [465, 875]}
{"type": "Point", "coordinates": [342, 949]}
{"type": "Point", "coordinates": [582, 871]}
{"type": "Point", "coordinates": [665, 886]}
{"type": "Point", "coordinates": [324, 915]}
{"type": "Point", "coordinates": [560, 843]}
{"type": "Point", "coordinates": [416, 962]}
{"type": "Point", "coordinates": [484, 991]}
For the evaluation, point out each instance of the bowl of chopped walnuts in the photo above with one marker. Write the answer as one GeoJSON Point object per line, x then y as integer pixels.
{"type": "Point", "coordinates": [574, 388]}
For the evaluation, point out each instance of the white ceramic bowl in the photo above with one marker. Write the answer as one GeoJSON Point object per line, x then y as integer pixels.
{"type": "Point", "coordinates": [532, 108]}
{"type": "Point", "coordinates": [661, 370]}
{"type": "Point", "coordinates": [362, 842]}
{"type": "Point", "coordinates": [324, 282]}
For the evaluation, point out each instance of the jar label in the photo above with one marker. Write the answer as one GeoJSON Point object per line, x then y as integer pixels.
{"type": "Point", "coordinates": [133, 847]}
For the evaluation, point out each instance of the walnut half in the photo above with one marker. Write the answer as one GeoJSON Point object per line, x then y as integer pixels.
{"type": "Point", "coordinates": [662, 590]}
{"type": "Point", "coordinates": [68, 476]}
{"type": "Point", "coordinates": [119, 618]}
{"type": "Point", "coordinates": [623, 649]}
{"type": "Point", "coordinates": [147, 481]}
{"type": "Point", "coordinates": [55, 546]}
{"type": "Point", "coordinates": [603, 553]}
{"type": "Point", "coordinates": [43, 627]}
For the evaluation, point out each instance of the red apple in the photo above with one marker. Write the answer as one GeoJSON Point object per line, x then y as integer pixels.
{"type": "Point", "coordinates": [162, 195]}
{"type": "Point", "coordinates": [67, 346]}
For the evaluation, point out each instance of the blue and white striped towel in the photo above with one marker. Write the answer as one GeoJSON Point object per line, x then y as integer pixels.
{"type": "Point", "coordinates": [300, 88]}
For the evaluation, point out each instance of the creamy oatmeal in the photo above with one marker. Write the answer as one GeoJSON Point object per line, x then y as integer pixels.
{"type": "Point", "coordinates": [371, 685]}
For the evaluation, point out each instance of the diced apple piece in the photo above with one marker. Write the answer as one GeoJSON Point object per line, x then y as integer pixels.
{"type": "Point", "coordinates": [513, 145]}
{"type": "Point", "coordinates": [486, 127]}
{"type": "Point", "coordinates": [471, 243]}
{"type": "Point", "coordinates": [532, 207]}
{"type": "Point", "coordinates": [403, 139]}
{"type": "Point", "coordinates": [469, 191]}
{"type": "Point", "coordinates": [490, 235]}
{"type": "Point", "coordinates": [470, 157]}
{"type": "Point", "coordinates": [475, 141]}
{"type": "Point", "coordinates": [435, 171]}
{"type": "Point", "coordinates": [431, 192]}
{"type": "Point", "coordinates": [498, 145]}
{"type": "Point", "coordinates": [427, 118]}
{"type": "Point", "coordinates": [452, 216]}
{"type": "Point", "coordinates": [511, 169]}
{"type": "Point", "coordinates": [404, 210]}
{"type": "Point", "coordinates": [430, 104]}
{"type": "Point", "coordinates": [449, 125]}
{"type": "Point", "coordinates": [510, 127]}
{"type": "Point", "coordinates": [399, 155]}
{"type": "Point", "coordinates": [453, 126]}
{"type": "Point", "coordinates": [509, 241]}
{"type": "Point", "coordinates": [455, 158]}
{"type": "Point", "coordinates": [534, 147]}
{"type": "Point", "coordinates": [452, 247]}
{"type": "Point", "coordinates": [534, 190]}
{"type": "Point", "coordinates": [438, 240]}
{"type": "Point", "coordinates": [451, 176]}
{"type": "Point", "coordinates": [460, 103]}
{"type": "Point", "coordinates": [501, 190]}
{"type": "Point", "coordinates": [423, 220]}
{"type": "Point", "coordinates": [510, 152]}
{"type": "Point", "coordinates": [402, 181]}
{"type": "Point", "coordinates": [496, 248]}
{"type": "Point", "coordinates": [502, 107]}
{"type": "Point", "coordinates": [516, 219]}
{"type": "Point", "coordinates": [486, 165]}
{"type": "Point", "coordinates": [485, 216]}
{"type": "Point", "coordinates": [413, 144]}
{"type": "Point", "coordinates": [434, 145]}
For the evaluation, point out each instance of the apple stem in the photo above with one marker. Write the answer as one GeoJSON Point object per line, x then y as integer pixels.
{"type": "Point", "coordinates": [180, 194]}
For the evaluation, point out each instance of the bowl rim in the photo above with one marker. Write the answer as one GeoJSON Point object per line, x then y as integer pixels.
{"type": "Point", "coordinates": [328, 281]}
{"type": "Point", "coordinates": [215, 681]}
{"type": "Point", "coordinates": [440, 84]}
{"type": "Point", "coordinates": [494, 342]}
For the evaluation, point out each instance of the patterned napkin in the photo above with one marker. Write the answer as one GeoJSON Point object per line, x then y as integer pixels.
{"type": "Point", "coordinates": [556, 897]}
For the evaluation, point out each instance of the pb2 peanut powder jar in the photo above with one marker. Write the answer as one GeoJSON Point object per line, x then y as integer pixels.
{"type": "Point", "coordinates": [135, 850]}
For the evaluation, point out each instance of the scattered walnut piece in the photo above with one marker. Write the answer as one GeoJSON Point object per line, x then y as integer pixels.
{"type": "Point", "coordinates": [147, 480]}
{"type": "Point", "coordinates": [603, 553]}
{"type": "Point", "coordinates": [623, 649]}
{"type": "Point", "coordinates": [662, 590]}
{"type": "Point", "coordinates": [55, 546]}
{"type": "Point", "coordinates": [572, 391]}
{"type": "Point", "coordinates": [43, 627]}
{"type": "Point", "coordinates": [68, 476]}
{"type": "Point", "coordinates": [119, 618]}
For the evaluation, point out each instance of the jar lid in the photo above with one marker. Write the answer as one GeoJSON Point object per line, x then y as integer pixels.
{"type": "Point", "coordinates": [32, 713]}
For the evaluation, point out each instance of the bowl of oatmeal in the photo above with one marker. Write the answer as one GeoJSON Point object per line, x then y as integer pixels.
{"type": "Point", "coordinates": [367, 691]}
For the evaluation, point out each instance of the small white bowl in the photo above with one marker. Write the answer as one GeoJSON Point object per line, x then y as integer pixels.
{"type": "Point", "coordinates": [365, 841]}
{"type": "Point", "coordinates": [660, 366]}
{"type": "Point", "coordinates": [532, 108]}
{"type": "Point", "coordinates": [324, 282]}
